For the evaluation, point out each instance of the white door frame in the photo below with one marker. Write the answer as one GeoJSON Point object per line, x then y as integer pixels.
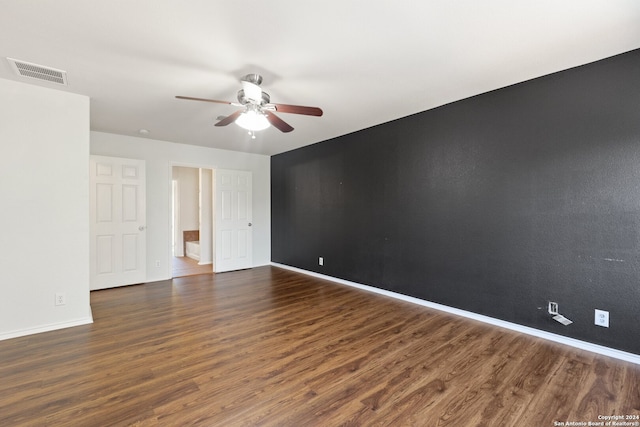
{"type": "Point", "coordinates": [173, 164]}
{"type": "Point", "coordinates": [176, 240]}
{"type": "Point", "coordinates": [169, 192]}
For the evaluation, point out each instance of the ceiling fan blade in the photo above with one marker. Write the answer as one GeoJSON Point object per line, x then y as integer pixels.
{"type": "Point", "coordinates": [277, 122]}
{"type": "Point", "coordinates": [298, 109]}
{"type": "Point", "coordinates": [230, 118]}
{"type": "Point", "coordinates": [203, 99]}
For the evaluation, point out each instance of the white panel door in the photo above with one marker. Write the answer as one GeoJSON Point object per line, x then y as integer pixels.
{"type": "Point", "coordinates": [118, 217]}
{"type": "Point", "coordinates": [233, 233]}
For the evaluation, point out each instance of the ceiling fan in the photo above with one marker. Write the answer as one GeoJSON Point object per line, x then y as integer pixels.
{"type": "Point", "coordinates": [258, 111]}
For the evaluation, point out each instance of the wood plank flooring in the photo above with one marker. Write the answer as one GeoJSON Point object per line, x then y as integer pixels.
{"type": "Point", "coordinates": [184, 266]}
{"type": "Point", "coordinates": [269, 347]}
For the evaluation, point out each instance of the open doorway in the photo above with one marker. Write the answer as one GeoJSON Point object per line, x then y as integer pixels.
{"type": "Point", "coordinates": [191, 221]}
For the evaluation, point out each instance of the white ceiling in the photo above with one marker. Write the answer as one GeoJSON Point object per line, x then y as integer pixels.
{"type": "Point", "coordinates": [362, 62]}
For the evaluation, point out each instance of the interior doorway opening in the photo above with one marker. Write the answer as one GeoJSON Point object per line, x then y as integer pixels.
{"type": "Point", "coordinates": [191, 221]}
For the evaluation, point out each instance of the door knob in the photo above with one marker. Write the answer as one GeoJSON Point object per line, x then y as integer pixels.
{"type": "Point", "coordinates": [249, 224]}
{"type": "Point", "coordinates": [141, 228]}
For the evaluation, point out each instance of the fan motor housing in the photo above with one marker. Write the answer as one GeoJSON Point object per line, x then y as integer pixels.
{"type": "Point", "coordinates": [242, 99]}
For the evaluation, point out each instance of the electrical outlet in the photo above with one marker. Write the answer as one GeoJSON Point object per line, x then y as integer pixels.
{"type": "Point", "coordinates": [320, 261]}
{"type": "Point", "coordinates": [61, 299]}
{"type": "Point", "coordinates": [553, 307]}
{"type": "Point", "coordinates": [157, 263]}
{"type": "Point", "coordinates": [602, 318]}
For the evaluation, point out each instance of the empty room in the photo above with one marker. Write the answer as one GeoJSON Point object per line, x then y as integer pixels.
{"type": "Point", "coordinates": [336, 214]}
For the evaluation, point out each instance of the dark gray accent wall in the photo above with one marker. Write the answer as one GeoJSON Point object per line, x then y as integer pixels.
{"type": "Point", "coordinates": [494, 204]}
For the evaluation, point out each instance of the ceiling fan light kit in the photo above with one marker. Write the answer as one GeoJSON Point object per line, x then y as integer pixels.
{"type": "Point", "coordinates": [253, 120]}
{"type": "Point", "coordinates": [258, 113]}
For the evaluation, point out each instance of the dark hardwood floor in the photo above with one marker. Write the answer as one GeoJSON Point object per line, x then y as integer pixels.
{"type": "Point", "coordinates": [185, 266]}
{"type": "Point", "coordinates": [271, 347]}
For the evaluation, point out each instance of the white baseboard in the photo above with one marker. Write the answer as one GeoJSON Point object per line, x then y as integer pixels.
{"type": "Point", "coordinates": [193, 256]}
{"type": "Point", "coordinates": [46, 328]}
{"type": "Point", "coordinates": [583, 345]}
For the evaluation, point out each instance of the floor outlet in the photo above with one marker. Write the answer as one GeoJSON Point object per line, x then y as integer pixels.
{"type": "Point", "coordinates": [61, 299]}
{"type": "Point", "coordinates": [602, 318]}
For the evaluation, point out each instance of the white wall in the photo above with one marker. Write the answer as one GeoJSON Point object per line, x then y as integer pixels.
{"type": "Point", "coordinates": [44, 188]}
{"type": "Point", "coordinates": [160, 157]}
{"type": "Point", "coordinates": [188, 188]}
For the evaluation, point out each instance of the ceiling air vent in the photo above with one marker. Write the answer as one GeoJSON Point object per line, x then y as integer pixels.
{"type": "Point", "coordinates": [39, 72]}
